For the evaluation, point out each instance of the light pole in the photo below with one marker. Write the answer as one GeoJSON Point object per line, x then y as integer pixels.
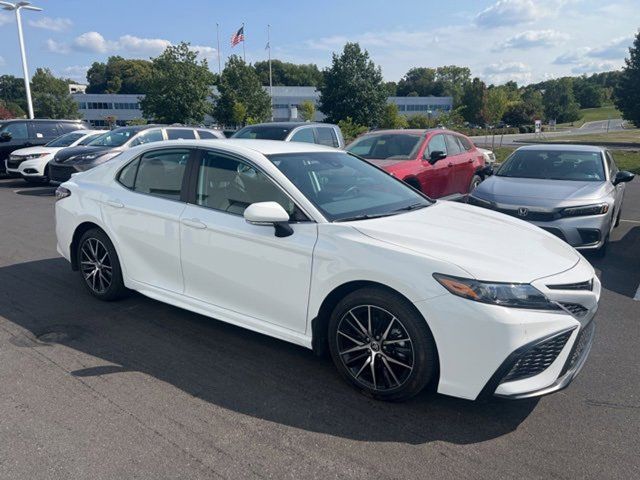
{"type": "Point", "coordinates": [17, 7]}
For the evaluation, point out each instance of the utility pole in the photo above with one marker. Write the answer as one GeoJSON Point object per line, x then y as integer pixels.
{"type": "Point", "coordinates": [219, 54]}
{"type": "Point", "coordinates": [244, 40]}
{"type": "Point", "coordinates": [270, 73]}
{"type": "Point", "coordinates": [17, 7]}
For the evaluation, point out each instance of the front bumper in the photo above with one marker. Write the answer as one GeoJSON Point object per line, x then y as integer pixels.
{"type": "Point", "coordinates": [479, 345]}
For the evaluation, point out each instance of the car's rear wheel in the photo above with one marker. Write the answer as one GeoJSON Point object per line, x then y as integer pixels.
{"type": "Point", "coordinates": [381, 344]}
{"type": "Point", "coordinates": [99, 266]}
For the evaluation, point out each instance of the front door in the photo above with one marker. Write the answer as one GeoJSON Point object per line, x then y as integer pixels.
{"type": "Point", "coordinates": [237, 266]}
{"type": "Point", "coordinates": [436, 179]}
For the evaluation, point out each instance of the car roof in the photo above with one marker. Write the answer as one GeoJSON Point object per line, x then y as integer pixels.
{"type": "Point", "coordinates": [414, 131]}
{"type": "Point", "coordinates": [563, 147]}
{"type": "Point", "coordinates": [40, 120]}
{"type": "Point", "coordinates": [289, 124]}
{"type": "Point", "coordinates": [265, 147]}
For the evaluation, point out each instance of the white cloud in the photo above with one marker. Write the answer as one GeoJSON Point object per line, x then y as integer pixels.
{"type": "Point", "coordinates": [56, 47]}
{"type": "Point", "coordinates": [615, 49]}
{"type": "Point", "coordinates": [595, 67]}
{"type": "Point", "coordinates": [532, 39]}
{"type": "Point", "coordinates": [135, 45]}
{"type": "Point", "coordinates": [2, 61]}
{"type": "Point", "coordinates": [5, 19]}
{"type": "Point", "coordinates": [509, 12]}
{"type": "Point", "coordinates": [571, 58]}
{"type": "Point", "coordinates": [384, 39]}
{"type": "Point", "coordinates": [506, 67]}
{"type": "Point", "coordinates": [205, 53]}
{"type": "Point", "coordinates": [54, 24]}
{"type": "Point", "coordinates": [77, 73]}
{"type": "Point", "coordinates": [91, 42]}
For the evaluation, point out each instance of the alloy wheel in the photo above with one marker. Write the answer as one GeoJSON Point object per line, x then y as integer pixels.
{"type": "Point", "coordinates": [375, 347]}
{"type": "Point", "coordinates": [95, 264]}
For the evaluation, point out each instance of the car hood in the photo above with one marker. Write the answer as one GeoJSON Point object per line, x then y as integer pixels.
{"type": "Point", "coordinates": [488, 245]}
{"type": "Point", "coordinates": [34, 151]}
{"type": "Point", "coordinates": [65, 154]}
{"type": "Point", "coordinates": [538, 192]}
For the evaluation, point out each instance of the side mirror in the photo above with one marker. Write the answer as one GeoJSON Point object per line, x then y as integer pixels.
{"type": "Point", "coordinates": [623, 177]}
{"type": "Point", "coordinates": [269, 213]}
{"type": "Point", "coordinates": [5, 136]}
{"type": "Point", "coordinates": [436, 155]}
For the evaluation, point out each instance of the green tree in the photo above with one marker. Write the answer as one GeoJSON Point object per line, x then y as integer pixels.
{"type": "Point", "coordinates": [496, 104]}
{"type": "Point", "coordinates": [421, 121]}
{"type": "Point", "coordinates": [307, 110]}
{"type": "Point", "coordinates": [453, 80]}
{"type": "Point", "coordinates": [473, 101]}
{"type": "Point", "coordinates": [240, 95]}
{"type": "Point", "coordinates": [559, 102]}
{"type": "Point", "coordinates": [179, 87]}
{"type": "Point", "coordinates": [350, 129]}
{"type": "Point", "coordinates": [420, 81]}
{"type": "Point", "coordinates": [391, 117]}
{"type": "Point", "coordinates": [288, 74]}
{"type": "Point", "coordinates": [587, 93]}
{"type": "Point", "coordinates": [12, 91]}
{"type": "Point", "coordinates": [51, 98]}
{"type": "Point", "coordinates": [627, 92]}
{"type": "Point", "coordinates": [119, 75]}
{"type": "Point", "coordinates": [353, 87]}
{"type": "Point", "coordinates": [136, 121]}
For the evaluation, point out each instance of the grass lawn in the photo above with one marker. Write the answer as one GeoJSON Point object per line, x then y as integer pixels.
{"type": "Point", "coordinates": [625, 159]}
{"type": "Point", "coordinates": [630, 136]}
{"type": "Point", "coordinates": [593, 114]}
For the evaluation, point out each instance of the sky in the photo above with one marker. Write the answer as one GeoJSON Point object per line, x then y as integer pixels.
{"type": "Point", "coordinates": [500, 40]}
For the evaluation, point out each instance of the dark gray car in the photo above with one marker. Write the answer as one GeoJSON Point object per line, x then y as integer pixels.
{"type": "Point", "coordinates": [573, 191]}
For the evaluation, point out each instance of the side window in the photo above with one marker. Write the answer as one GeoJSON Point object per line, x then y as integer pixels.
{"type": "Point", "coordinates": [453, 147]}
{"type": "Point", "coordinates": [18, 130]}
{"type": "Point", "coordinates": [206, 134]}
{"type": "Point", "coordinates": [177, 133]}
{"type": "Point", "coordinates": [437, 144]}
{"type": "Point", "coordinates": [69, 127]}
{"type": "Point", "coordinates": [147, 137]}
{"type": "Point", "coordinates": [304, 135]}
{"type": "Point", "coordinates": [160, 173]}
{"type": "Point", "coordinates": [127, 175]}
{"type": "Point", "coordinates": [327, 136]}
{"type": "Point", "coordinates": [611, 165]}
{"type": "Point", "coordinates": [230, 185]}
{"type": "Point", "coordinates": [465, 142]}
{"type": "Point", "coordinates": [45, 130]}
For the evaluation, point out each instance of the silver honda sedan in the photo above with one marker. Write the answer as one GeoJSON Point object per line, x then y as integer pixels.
{"type": "Point", "coordinates": [573, 191]}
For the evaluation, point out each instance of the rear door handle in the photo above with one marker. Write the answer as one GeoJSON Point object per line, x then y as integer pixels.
{"type": "Point", "coordinates": [115, 203]}
{"type": "Point", "coordinates": [193, 223]}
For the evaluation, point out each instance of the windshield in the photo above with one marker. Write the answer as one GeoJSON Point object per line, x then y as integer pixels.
{"type": "Point", "coordinates": [263, 132]}
{"type": "Point", "coordinates": [115, 138]}
{"type": "Point", "coordinates": [387, 146]}
{"type": "Point", "coordinates": [90, 138]}
{"type": "Point", "coordinates": [65, 140]}
{"type": "Point", "coordinates": [344, 187]}
{"type": "Point", "coordinates": [554, 165]}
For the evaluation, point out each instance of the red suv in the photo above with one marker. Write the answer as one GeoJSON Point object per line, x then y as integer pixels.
{"type": "Point", "coordinates": [440, 163]}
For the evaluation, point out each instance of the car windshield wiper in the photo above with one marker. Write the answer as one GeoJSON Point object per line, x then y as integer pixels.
{"type": "Point", "coordinates": [413, 206]}
{"type": "Point", "coordinates": [366, 216]}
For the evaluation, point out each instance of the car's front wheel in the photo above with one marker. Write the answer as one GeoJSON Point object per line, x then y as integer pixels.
{"type": "Point", "coordinates": [381, 344]}
{"type": "Point", "coordinates": [99, 266]}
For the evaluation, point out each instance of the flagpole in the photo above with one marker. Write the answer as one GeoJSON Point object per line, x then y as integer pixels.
{"type": "Point", "coordinates": [218, 36]}
{"type": "Point", "coordinates": [244, 40]}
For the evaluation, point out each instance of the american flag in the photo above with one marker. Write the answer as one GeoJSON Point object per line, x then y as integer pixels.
{"type": "Point", "coordinates": [237, 37]}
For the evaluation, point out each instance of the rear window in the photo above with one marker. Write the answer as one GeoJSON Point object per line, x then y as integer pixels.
{"type": "Point", "coordinates": [391, 146]}
{"type": "Point", "coordinates": [263, 132]}
{"type": "Point", "coordinates": [178, 133]}
{"type": "Point", "coordinates": [327, 136]}
{"type": "Point", "coordinates": [206, 134]}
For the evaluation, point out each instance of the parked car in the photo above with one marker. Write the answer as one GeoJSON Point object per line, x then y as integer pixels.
{"type": "Point", "coordinates": [315, 246]}
{"type": "Point", "coordinates": [31, 163]}
{"type": "Point", "coordinates": [440, 163]}
{"type": "Point", "coordinates": [574, 192]}
{"type": "Point", "coordinates": [17, 134]}
{"type": "Point", "coordinates": [320, 133]}
{"type": "Point", "coordinates": [489, 156]}
{"type": "Point", "coordinates": [79, 159]}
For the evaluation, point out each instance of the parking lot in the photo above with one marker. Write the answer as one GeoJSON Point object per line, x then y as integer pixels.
{"type": "Point", "coordinates": [138, 388]}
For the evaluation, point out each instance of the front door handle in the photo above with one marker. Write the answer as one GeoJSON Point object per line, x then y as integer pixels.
{"type": "Point", "coordinates": [115, 203]}
{"type": "Point", "coordinates": [193, 223]}
{"type": "Point", "coordinates": [449, 164]}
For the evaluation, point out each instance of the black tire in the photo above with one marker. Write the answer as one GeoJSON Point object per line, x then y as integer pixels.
{"type": "Point", "coordinates": [475, 181]}
{"type": "Point", "coordinates": [387, 379]}
{"type": "Point", "coordinates": [106, 266]}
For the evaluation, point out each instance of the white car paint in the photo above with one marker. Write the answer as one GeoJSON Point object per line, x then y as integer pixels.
{"type": "Point", "coordinates": [45, 155]}
{"type": "Point", "coordinates": [219, 265]}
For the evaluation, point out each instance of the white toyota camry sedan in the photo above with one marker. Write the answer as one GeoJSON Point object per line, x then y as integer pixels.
{"type": "Point", "coordinates": [317, 247]}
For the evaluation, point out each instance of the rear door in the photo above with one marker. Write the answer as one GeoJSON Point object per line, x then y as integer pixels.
{"type": "Point", "coordinates": [303, 134]}
{"type": "Point", "coordinates": [19, 139]}
{"type": "Point", "coordinates": [43, 132]}
{"type": "Point", "coordinates": [144, 214]}
{"type": "Point", "coordinates": [457, 163]}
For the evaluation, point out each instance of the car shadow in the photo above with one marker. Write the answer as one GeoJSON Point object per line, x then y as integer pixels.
{"type": "Point", "coordinates": [41, 191]}
{"type": "Point", "coordinates": [228, 366]}
{"type": "Point", "coordinates": [620, 268]}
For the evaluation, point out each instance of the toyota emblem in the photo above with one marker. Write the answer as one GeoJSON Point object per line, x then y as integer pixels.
{"type": "Point", "coordinates": [523, 212]}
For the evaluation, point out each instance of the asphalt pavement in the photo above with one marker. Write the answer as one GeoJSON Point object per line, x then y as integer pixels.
{"type": "Point", "coordinates": [140, 389]}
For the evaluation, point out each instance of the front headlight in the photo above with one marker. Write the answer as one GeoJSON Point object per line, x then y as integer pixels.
{"type": "Point", "coordinates": [516, 295]}
{"type": "Point", "coordinates": [36, 155]}
{"type": "Point", "coordinates": [585, 210]}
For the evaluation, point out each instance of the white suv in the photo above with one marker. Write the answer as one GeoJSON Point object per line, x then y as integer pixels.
{"type": "Point", "coordinates": [314, 246]}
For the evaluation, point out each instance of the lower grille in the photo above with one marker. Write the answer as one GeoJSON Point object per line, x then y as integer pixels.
{"type": "Point", "coordinates": [14, 162]}
{"type": "Point", "coordinates": [580, 347]}
{"type": "Point", "coordinates": [60, 173]}
{"type": "Point", "coordinates": [538, 359]}
{"type": "Point", "coordinates": [576, 309]}
{"type": "Point", "coordinates": [555, 231]}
